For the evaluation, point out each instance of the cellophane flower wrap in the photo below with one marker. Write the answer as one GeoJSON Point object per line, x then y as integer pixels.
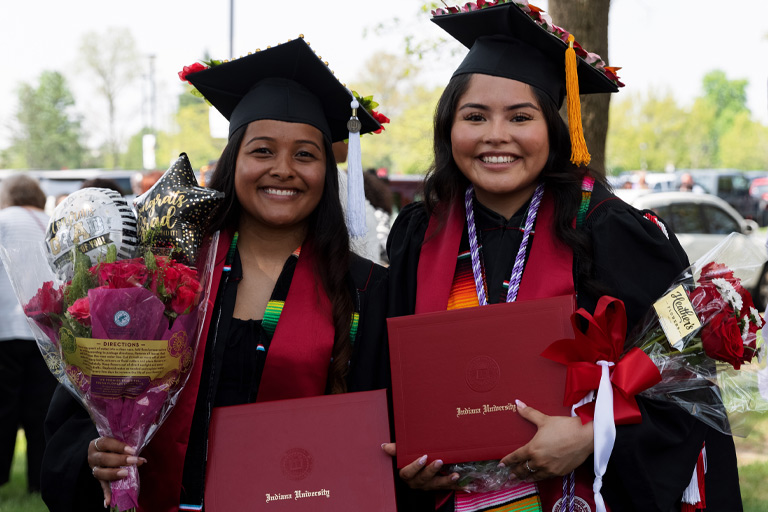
{"type": "Point", "coordinates": [705, 337]}
{"type": "Point", "coordinates": [120, 335]}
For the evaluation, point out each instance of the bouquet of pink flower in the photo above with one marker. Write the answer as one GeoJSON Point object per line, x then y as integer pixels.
{"type": "Point", "coordinates": [121, 336]}
{"type": "Point", "coordinates": [118, 311]}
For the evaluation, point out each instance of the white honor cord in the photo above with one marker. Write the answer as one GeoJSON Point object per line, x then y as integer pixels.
{"type": "Point", "coordinates": [604, 431]}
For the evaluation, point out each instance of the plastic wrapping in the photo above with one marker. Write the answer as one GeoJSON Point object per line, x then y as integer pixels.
{"type": "Point", "coordinates": [704, 335]}
{"type": "Point", "coordinates": [483, 476]}
{"type": "Point", "coordinates": [121, 335]}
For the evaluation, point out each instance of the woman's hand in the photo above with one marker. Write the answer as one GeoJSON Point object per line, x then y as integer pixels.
{"type": "Point", "coordinates": [107, 458]}
{"type": "Point", "coordinates": [560, 445]}
{"type": "Point", "coordinates": [420, 475]}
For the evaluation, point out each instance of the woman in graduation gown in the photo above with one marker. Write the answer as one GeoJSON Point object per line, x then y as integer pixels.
{"type": "Point", "coordinates": [504, 197]}
{"type": "Point", "coordinates": [295, 315]}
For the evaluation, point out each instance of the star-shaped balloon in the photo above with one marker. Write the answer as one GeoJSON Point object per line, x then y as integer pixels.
{"type": "Point", "coordinates": [176, 211]}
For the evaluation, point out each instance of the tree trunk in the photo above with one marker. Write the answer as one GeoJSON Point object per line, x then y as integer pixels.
{"type": "Point", "coordinates": [587, 20]}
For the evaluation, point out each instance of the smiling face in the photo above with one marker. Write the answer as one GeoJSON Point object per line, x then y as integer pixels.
{"type": "Point", "coordinates": [280, 174]}
{"type": "Point", "coordinates": [499, 141]}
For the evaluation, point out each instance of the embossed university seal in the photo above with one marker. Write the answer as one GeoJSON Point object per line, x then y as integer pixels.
{"type": "Point", "coordinates": [482, 374]}
{"type": "Point", "coordinates": [296, 464]}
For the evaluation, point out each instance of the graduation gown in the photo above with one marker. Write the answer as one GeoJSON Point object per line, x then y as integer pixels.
{"type": "Point", "coordinates": [633, 260]}
{"type": "Point", "coordinates": [174, 453]}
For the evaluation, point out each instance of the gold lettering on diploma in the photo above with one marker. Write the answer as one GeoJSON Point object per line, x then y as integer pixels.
{"type": "Point", "coordinates": [485, 409]}
{"type": "Point", "coordinates": [298, 494]}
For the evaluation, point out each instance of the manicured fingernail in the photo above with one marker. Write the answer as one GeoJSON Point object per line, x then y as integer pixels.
{"type": "Point", "coordinates": [437, 464]}
{"type": "Point", "coordinates": [105, 503]}
{"type": "Point", "coordinates": [122, 473]}
{"type": "Point", "coordinates": [383, 445]}
{"type": "Point", "coordinates": [501, 465]}
{"type": "Point", "coordinates": [131, 460]}
{"type": "Point", "coordinates": [520, 405]}
{"type": "Point", "coordinates": [422, 460]}
{"type": "Point", "coordinates": [130, 450]}
{"type": "Point", "coordinates": [143, 460]}
{"type": "Point", "coordinates": [454, 477]}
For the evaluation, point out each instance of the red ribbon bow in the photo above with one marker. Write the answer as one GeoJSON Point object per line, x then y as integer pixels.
{"type": "Point", "coordinates": [603, 340]}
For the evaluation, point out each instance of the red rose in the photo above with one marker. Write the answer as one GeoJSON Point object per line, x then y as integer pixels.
{"type": "Point", "coordinates": [183, 300]}
{"type": "Point", "coordinates": [714, 270]}
{"type": "Point", "coordinates": [81, 311]}
{"type": "Point", "coordinates": [381, 118]}
{"type": "Point", "coordinates": [706, 302]}
{"type": "Point", "coordinates": [47, 300]}
{"type": "Point", "coordinates": [721, 338]}
{"type": "Point", "coordinates": [123, 273]}
{"type": "Point", "coordinates": [192, 68]}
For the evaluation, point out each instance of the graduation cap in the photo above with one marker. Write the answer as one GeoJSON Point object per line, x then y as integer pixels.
{"type": "Point", "coordinates": [290, 83]}
{"type": "Point", "coordinates": [518, 42]}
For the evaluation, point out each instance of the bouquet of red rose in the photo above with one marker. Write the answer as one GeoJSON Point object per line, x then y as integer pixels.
{"type": "Point", "coordinates": [701, 335]}
{"type": "Point", "coordinates": [705, 337]}
{"type": "Point", "coordinates": [693, 348]}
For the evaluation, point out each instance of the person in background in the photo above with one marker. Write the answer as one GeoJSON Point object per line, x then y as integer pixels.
{"type": "Point", "coordinates": [26, 384]}
{"type": "Point", "coordinates": [102, 183]}
{"type": "Point", "coordinates": [687, 184]}
{"type": "Point", "coordinates": [379, 195]}
{"type": "Point", "coordinates": [517, 215]}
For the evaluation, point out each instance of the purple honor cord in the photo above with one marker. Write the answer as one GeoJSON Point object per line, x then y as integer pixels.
{"type": "Point", "coordinates": [517, 270]}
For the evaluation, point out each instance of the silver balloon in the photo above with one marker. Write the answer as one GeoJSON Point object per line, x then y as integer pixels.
{"type": "Point", "coordinates": [90, 220]}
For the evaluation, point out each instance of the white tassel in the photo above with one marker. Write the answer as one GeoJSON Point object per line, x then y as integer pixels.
{"type": "Point", "coordinates": [355, 189]}
{"type": "Point", "coordinates": [692, 495]}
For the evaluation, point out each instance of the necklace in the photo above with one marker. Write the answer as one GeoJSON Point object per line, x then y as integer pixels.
{"type": "Point", "coordinates": [517, 270]}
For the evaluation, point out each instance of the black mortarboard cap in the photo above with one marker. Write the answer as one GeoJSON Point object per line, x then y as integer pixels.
{"type": "Point", "coordinates": [287, 82]}
{"type": "Point", "coordinates": [504, 41]}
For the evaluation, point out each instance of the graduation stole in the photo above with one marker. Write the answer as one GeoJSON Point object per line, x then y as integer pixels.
{"type": "Point", "coordinates": [548, 272]}
{"type": "Point", "coordinates": [303, 339]}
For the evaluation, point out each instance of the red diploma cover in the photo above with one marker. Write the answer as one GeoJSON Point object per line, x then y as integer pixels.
{"type": "Point", "coordinates": [312, 454]}
{"type": "Point", "coordinates": [456, 375]}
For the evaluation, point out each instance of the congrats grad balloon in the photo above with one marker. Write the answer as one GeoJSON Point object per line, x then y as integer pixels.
{"type": "Point", "coordinates": [90, 220]}
{"type": "Point", "coordinates": [176, 211]}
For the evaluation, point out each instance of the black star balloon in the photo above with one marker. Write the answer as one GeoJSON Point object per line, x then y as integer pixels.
{"type": "Point", "coordinates": [176, 211]}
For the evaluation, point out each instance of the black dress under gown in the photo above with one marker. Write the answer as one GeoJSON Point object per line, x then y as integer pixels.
{"type": "Point", "coordinates": [633, 260]}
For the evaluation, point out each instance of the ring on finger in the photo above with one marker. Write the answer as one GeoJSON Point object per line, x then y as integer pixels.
{"type": "Point", "coordinates": [96, 444]}
{"type": "Point", "coordinates": [529, 467]}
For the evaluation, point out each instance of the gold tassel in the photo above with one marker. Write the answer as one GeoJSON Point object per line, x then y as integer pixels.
{"type": "Point", "coordinates": [579, 151]}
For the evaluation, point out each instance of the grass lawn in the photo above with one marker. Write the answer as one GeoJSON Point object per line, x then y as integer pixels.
{"type": "Point", "coordinates": [13, 495]}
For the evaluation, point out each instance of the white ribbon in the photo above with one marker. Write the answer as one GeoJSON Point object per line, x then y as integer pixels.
{"type": "Point", "coordinates": [604, 431]}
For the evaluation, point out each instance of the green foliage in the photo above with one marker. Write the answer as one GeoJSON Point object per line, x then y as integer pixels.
{"type": "Point", "coordinates": [653, 132]}
{"type": "Point", "coordinates": [405, 146]}
{"type": "Point", "coordinates": [193, 137]}
{"type": "Point", "coordinates": [745, 144]}
{"type": "Point", "coordinates": [47, 132]}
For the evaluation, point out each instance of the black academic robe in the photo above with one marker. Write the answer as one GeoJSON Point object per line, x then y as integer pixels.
{"type": "Point", "coordinates": [67, 483]}
{"type": "Point", "coordinates": [633, 260]}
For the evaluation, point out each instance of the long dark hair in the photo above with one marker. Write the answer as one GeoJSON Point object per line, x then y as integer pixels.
{"type": "Point", "coordinates": [446, 183]}
{"type": "Point", "coordinates": [328, 236]}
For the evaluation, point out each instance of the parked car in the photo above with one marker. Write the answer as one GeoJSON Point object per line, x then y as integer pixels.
{"type": "Point", "coordinates": [700, 222]}
{"type": "Point", "coordinates": [731, 185]}
{"type": "Point", "coordinates": [758, 189]}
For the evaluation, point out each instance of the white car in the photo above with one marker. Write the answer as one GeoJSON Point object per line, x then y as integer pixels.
{"type": "Point", "coordinates": [700, 222]}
